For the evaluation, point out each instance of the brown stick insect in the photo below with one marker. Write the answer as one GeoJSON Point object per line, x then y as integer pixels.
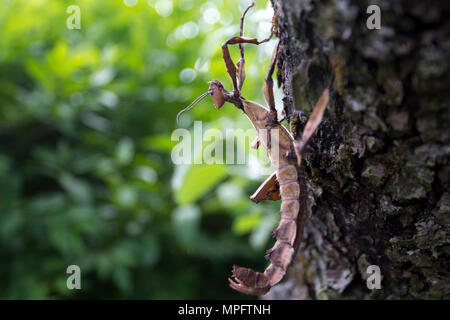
{"type": "Point", "coordinates": [285, 153]}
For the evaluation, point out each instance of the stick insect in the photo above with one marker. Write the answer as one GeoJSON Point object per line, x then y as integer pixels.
{"type": "Point", "coordinates": [285, 153]}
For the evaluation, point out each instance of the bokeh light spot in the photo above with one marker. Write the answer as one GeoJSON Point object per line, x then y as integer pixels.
{"type": "Point", "coordinates": [187, 75]}
{"type": "Point", "coordinates": [164, 8]}
{"type": "Point", "coordinates": [130, 3]}
{"type": "Point", "coordinates": [211, 15]}
{"type": "Point", "coordinates": [190, 30]}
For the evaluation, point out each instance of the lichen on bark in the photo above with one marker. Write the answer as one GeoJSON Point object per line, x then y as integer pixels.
{"type": "Point", "coordinates": [378, 167]}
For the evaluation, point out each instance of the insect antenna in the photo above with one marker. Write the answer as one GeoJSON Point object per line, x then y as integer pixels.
{"type": "Point", "coordinates": [193, 104]}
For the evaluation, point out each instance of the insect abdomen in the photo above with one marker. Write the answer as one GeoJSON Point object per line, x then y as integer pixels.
{"type": "Point", "coordinates": [282, 253]}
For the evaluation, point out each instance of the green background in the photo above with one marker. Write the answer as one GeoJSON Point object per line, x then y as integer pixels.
{"type": "Point", "coordinates": [86, 176]}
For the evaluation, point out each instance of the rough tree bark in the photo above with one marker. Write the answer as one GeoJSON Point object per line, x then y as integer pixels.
{"type": "Point", "coordinates": [378, 167]}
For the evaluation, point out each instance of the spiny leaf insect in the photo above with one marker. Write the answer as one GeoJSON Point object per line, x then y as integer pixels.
{"type": "Point", "coordinates": [285, 153]}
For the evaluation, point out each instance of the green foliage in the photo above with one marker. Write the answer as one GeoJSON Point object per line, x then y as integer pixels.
{"type": "Point", "coordinates": [86, 176]}
{"type": "Point", "coordinates": [197, 181]}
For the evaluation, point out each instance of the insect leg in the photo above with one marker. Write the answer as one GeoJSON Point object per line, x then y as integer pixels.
{"type": "Point", "coordinates": [238, 75]}
{"type": "Point", "coordinates": [241, 33]}
{"type": "Point", "coordinates": [268, 190]}
{"type": "Point", "coordinates": [241, 63]}
{"type": "Point", "coordinates": [314, 119]}
{"type": "Point", "coordinates": [268, 83]}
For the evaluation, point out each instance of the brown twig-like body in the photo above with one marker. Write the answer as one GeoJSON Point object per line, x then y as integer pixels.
{"type": "Point", "coordinates": [285, 154]}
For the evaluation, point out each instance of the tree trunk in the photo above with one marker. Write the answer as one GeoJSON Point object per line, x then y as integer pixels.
{"type": "Point", "coordinates": [378, 167]}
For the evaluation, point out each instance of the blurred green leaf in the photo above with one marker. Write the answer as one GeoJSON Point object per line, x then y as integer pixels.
{"type": "Point", "coordinates": [198, 180]}
{"type": "Point", "coordinates": [86, 176]}
{"type": "Point", "coordinates": [78, 189]}
{"type": "Point", "coordinates": [186, 221]}
{"type": "Point", "coordinates": [161, 143]}
{"type": "Point", "coordinates": [125, 151]}
{"type": "Point", "coordinates": [246, 223]}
